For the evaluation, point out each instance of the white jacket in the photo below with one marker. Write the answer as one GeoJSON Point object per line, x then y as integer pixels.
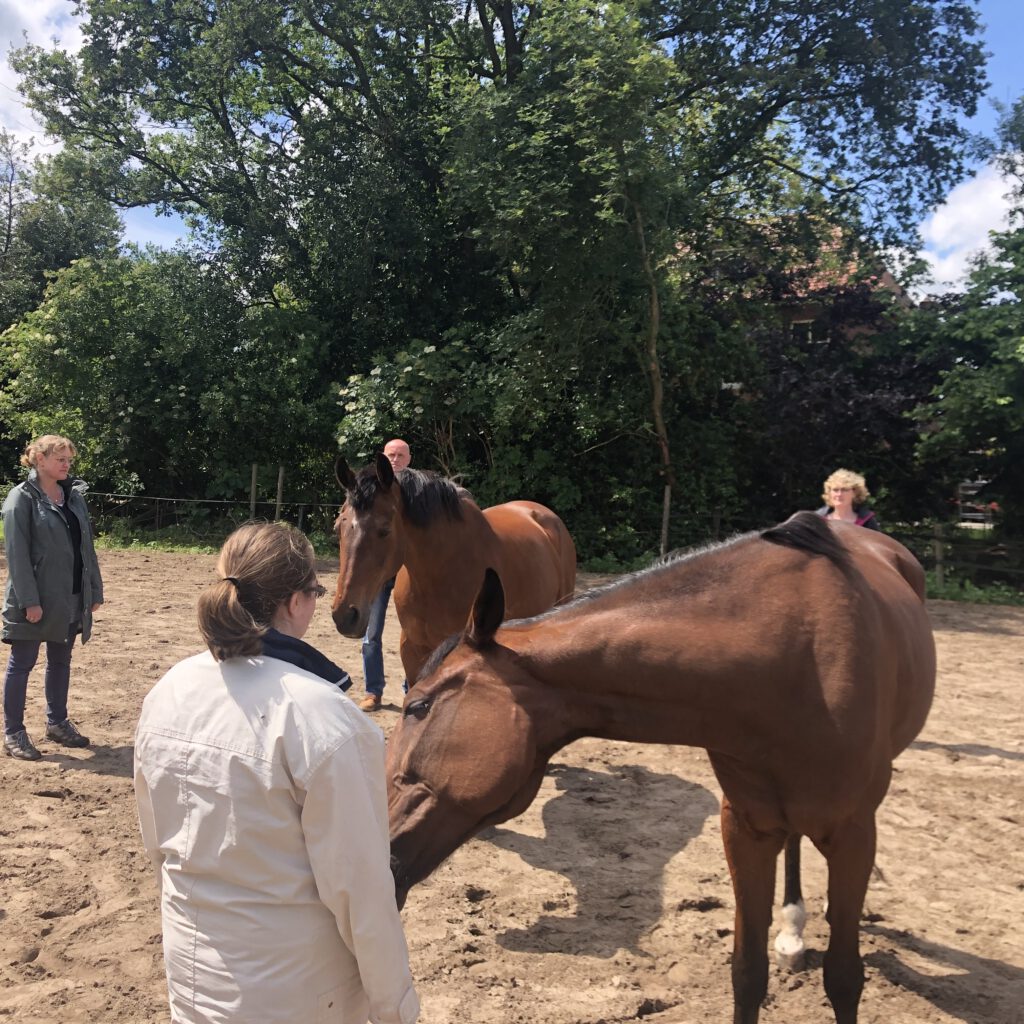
{"type": "Point", "coordinates": [262, 803]}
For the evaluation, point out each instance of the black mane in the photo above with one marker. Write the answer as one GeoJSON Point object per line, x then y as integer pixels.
{"type": "Point", "coordinates": [443, 649]}
{"type": "Point", "coordinates": [807, 531]}
{"type": "Point", "coordinates": [425, 495]}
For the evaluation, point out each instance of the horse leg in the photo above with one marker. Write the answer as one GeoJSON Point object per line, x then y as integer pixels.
{"type": "Point", "coordinates": [751, 857]}
{"type": "Point", "coordinates": [850, 852]}
{"type": "Point", "coordinates": [789, 943]}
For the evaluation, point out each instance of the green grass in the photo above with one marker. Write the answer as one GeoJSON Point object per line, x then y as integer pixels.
{"type": "Point", "coordinates": [954, 589]}
{"type": "Point", "coordinates": [184, 540]}
{"type": "Point", "coordinates": [109, 543]}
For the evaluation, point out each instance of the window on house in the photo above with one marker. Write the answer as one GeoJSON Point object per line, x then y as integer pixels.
{"type": "Point", "coordinates": [809, 331]}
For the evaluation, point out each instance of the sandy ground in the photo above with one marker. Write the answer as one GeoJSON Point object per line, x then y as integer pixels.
{"type": "Point", "coordinates": [608, 901]}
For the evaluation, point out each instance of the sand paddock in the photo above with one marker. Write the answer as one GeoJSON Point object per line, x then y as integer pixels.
{"type": "Point", "coordinates": [608, 901]}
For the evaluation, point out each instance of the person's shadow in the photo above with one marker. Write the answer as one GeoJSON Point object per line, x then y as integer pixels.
{"type": "Point", "coordinates": [976, 990]}
{"type": "Point", "coordinates": [611, 835]}
{"type": "Point", "coordinates": [956, 750]}
{"type": "Point", "coordinates": [99, 759]}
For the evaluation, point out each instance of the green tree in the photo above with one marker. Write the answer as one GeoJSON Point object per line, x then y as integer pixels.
{"type": "Point", "coordinates": [171, 384]}
{"type": "Point", "coordinates": [547, 188]}
{"type": "Point", "coordinates": [972, 424]}
{"type": "Point", "coordinates": [45, 223]}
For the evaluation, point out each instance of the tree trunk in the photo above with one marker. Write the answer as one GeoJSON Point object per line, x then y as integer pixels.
{"type": "Point", "coordinates": [652, 366]}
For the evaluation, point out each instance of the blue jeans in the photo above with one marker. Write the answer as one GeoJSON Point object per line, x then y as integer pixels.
{"type": "Point", "coordinates": [20, 663]}
{"type": "Point", "coordinates": [373, 650]}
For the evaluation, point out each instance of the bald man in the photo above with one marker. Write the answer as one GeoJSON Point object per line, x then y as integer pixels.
{"type": "Point", "coordinates": [398, 454]}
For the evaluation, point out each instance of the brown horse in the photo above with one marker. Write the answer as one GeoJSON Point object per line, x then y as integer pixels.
{"type": "Point", "coordinates": [801, 658]}
{"type": "Point", "coordinates": [433, 528]}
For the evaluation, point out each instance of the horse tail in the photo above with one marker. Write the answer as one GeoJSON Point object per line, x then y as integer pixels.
{"type": "Point", "coordinates": [807, 531]}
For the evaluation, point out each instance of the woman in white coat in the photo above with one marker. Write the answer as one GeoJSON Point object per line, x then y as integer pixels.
{"type": "Point", "coordinates": [262, 803]}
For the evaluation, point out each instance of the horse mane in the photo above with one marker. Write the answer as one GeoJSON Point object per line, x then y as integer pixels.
{"type": "Point", "coordinates": [425, 495]}
{"type": "Point", "coordinates": [807, 531]}
{"type": "Point", "coordinates": [804, 531]}
{"type": "Point", "coordinates": [443, 649]}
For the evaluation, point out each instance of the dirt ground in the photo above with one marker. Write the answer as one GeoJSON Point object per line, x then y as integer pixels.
{"type": "Point", "coordinates": [608, 901]}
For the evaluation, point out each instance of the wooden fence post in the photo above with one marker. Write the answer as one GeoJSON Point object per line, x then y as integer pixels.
{"type": "Point", "coordinates": [666, 505]}
{"type": "Point", "coordinates": [252, 492]}
{"type": "Point", "coordinates": [937, 551]}
{"type": "Point", "coordinates": [280, 489]}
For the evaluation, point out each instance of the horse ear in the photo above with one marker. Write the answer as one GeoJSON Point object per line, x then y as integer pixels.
{"type": "Point", "coordinates": [343, 474]}
{"type": "Point", "coordinates": [488, 611]}
{"type": "Point", "coordinates": [385, 471]}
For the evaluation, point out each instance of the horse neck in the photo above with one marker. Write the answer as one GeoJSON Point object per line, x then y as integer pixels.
{"type": "Point", "coordinates": [610, 674]}
{"type": "Point", "coordinates": [449, 551]}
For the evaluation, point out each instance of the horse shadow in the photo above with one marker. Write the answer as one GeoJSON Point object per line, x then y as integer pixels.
{"type": "Point", "coordinates": [977, 990]}
{"type": "Point", "coordinates": [615, 860]}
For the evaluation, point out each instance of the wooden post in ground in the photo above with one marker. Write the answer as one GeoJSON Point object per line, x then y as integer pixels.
{"type": "Point", "coordinates": [280, 490]}
{"type": "Point", "coordinates": [252, 492]}
{"type": "Point", "coordinates": [937, 551]}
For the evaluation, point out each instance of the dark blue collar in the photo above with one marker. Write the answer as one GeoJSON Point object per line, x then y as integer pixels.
{"type": "Point", "coordinates": [303, 655]}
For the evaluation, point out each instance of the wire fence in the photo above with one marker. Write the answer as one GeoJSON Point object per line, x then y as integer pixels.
{"type": "Point", "coordinates": [963, 551]}
{"type": "Point", "coordinates": [203, 518]}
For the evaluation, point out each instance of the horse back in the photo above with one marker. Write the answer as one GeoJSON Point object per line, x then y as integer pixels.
{"type": "Point", "coordinates": [537, 556]}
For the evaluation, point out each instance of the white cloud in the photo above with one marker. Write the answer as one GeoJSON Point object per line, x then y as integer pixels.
{"type": "Point", "coordinates": [48, 23]}
{"type": "Point", "coordinates": [959, 228]}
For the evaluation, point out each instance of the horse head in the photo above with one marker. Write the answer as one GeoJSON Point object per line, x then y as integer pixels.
{"type": "Point", "coordinates": [369, 541]}
{"type": "Point", "coordinates": [465, 753]}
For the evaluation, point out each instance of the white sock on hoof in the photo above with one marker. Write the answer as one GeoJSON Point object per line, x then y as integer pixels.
{"type": "Point", "coordinates": [789, 943]}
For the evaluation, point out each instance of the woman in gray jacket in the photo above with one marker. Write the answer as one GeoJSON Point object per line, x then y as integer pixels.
{"type": "Point", "coordinates": [53, 587]}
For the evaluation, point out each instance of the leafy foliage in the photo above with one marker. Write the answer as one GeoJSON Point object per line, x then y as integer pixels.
{"type": "Point", "coordinates": [45, 224]}
{"type": "Point", "coordinates": [170, 383]}
{"type": "Point", "coordinates": [534, 239]}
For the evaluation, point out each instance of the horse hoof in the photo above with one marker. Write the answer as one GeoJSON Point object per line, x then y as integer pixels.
{"type": "Point", "coordinates": [789, 952]}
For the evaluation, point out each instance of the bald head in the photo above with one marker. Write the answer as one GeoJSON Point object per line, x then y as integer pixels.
{"type": "Point", "coordinates": [397, 453]}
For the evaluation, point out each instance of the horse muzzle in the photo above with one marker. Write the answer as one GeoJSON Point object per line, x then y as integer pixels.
{"type": "Point", "coordinates": [401, 885]}
{"type": "Point", "coordinates": [350, 620]}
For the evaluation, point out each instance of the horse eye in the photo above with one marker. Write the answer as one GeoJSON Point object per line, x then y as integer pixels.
{"type": "Point", "coordinates": [419, 708]}
{"type": "Point", "coordinates": [384, 531]}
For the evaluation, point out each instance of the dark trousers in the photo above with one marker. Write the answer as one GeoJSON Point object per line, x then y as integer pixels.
{"type": "Point", "coordinates": [22, 659]}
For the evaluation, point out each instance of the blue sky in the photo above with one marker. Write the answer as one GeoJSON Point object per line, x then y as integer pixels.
{"type": "Point", "coordinates": [951, 233]}
{"type": "Point", "coordinates": [961, 225]}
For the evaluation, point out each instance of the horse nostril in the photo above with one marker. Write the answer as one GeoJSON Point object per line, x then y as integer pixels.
{"type": "Point", "coordinates": [345, 618]}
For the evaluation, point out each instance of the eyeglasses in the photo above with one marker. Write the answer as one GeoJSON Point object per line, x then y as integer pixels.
{"type": "Point", "coordinates": [834, 489]}
{"type": "Point", "coordinates": [317, 590]}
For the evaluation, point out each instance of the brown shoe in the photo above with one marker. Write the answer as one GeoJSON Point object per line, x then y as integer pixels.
{"type": "Point", "coordinates": [371, 702]}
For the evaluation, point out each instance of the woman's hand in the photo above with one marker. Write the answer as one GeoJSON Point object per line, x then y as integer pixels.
{"type": "Point", "coordinates": [34, 612]}
{"type": "Point", "coordinates": [98, 604]}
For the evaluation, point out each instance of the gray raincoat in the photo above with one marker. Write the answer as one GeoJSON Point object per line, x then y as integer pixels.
{"type": "Point", "coordinates": [41, 563]}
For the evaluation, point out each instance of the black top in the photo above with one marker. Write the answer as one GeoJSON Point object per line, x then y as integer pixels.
{"type": "Point", "coordinates": [76, 542]}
